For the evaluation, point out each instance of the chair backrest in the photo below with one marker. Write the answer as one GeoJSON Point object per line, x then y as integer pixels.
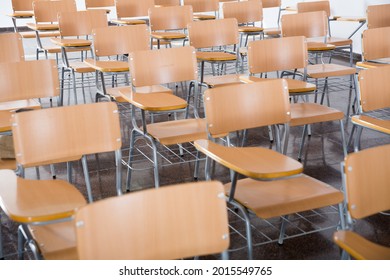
{"type": "Point", "coordinates": [304, 7]}
{"type": "Point", "coordinates": [133, 8]}
{"type": "Point", "coordinates": [119, 40]}
{"type": "Point", "coordinates": [11, 47]}
{"type": "Point", "coordinates": [244, 106]}
{"type": "Point", "coordinates": [173, 222]}
{"type": "Point", "coordinates": [277, 54]}
{"type": "Point", "coordinates": [99, 3]}
{"type": "Point", "coordinates": [170, 17]}
{"type": "Point", "coordinates": [376, 43]}
{"type": "Point", "coordinates": [367, 180]}
{"type": "Point", "coordinates": [378, 16]}
{"type": "Point", "coordinates": [213, 33]}
{"type": "Point", "coordinates": [310, 24]}
{"type": "Point", "coordinates": [165, 3]}
{"type": "Point", "coordinates": [374, 88]}
{"type": "Point", "coordinates": [271, 3]}
{"type": "Point", "coordinates": [61, 133]}
{"type": "Point", "coordinates": [244, 11]}
{"type": "Point", "coordinates": [81, 23]}
{"type": "Point", "coordinates": [22, 5]}
{"type": "Point", "coordinates": [28, 79]}
{"type": "Point", "coordinates": [47, 11]}
{"type": "Point", "coordinates": [202, 5]}
{"type": "Point", "coordinates": [154, 67]}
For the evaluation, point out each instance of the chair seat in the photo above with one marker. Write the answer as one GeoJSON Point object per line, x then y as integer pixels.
{"type": "Point", "coordinates": [272, 31]}
{"type": "Point", "coordinates": [71, 42]}
{"type": "Point", "coordinates": [107, 66]}
{"type": "Point", "coordinates": [215, 56]}
{"type": "Point", "coordinates": [223, 80]}
{"type": "Point", "coordinates": [319, 46]}
{"type": "Point", "coordinates": [56, 241]}
{"type": "Point", "coordinates": [282, 197]}
{"type": "Point", "coordinates": [8, 164]}
{"type": "Point", "coordinates": [372, 123]}
{"type": "Point", "coordinates": [254, 162]}
{"type": "Point", "coordinates": [81, 67]}
{"type": "Point", "coordinates": [118, 92]}
{"type": "Point", "coordinates": [128, 21]}
{"type": "Point", "coordinates": [168, 35]}
{"type": "Point", "coordinates": [370, 64]}
{"type": "Point", "coordinates": [22, 14]}
{"type": "Point", "coordinates": [338, 42]}
{"type": "Point", "coordinates": [32, 34]}
{"type": "Point", "coordinates": [155, 102]}
{"type": "Point", "coordinates": [309, 113]}
{"type": "Point", "coordinates": [7, 108]}
{"type": "Point", "coordinates": [42, 26]}
{"type": "Point", "coordinates": [318, 71]}
{"type": "Point", "coordinates": [203, 17]}
{"type": "Point", "coordinates": [362, 248]}
{"type": "Point", "coordinates": [294, 86]}
{"type": "Point", "coordinates": [178, 131]}
{"type": "Point", "coordinates": [28, 201]}
{"type": "Point", "coordinates": [250, 29]}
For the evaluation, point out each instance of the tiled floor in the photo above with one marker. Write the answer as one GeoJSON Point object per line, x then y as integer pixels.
{"type": "Point", "coordinates": [323, 155]}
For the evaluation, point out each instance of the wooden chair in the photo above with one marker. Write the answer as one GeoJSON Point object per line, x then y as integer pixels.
{"type": "Point", "coordinates": [21, 9]}
{"type": "Point", "coordinates": [340, 43]}
{"type": "Point", "coordinates": [46, 23]}
{"type": "Point", "coordinates": [378, 16]}
{"type": "Point", "coordinates": [311, 25]}
{"type": "Point", "coordinates": [215, 42]}
{"type": "Point", "coordinates": [118, 41]}
{"type": "Point", "coordinates": [249, 15]}
{"type": "Point", "coordinates": [131, 12]}
{"type": "Point", "coordinates": [84, 130]}
{"type": "Point", "coordinates": [169, 23]}
{"type": "Point", "coordinates": [203, 9]}
{"type": "Point", "coordinates": [105, 5]}
{"type": "Point", "coordinates": [373, 95]}
{"type": "Point", "coordinates": [264, 57]}
{"type": "Point", "coordinates": [275, 185]}
{"type": "Point", "coordinates": [150, 68]}
{"type": "Point", "coordinates": [39, 80]}
{"type": "Point", "coordinates": [365, 179]}
{"type": "Point", "coordinates": [376, 48]}
{"type": "Point", "coordinates": [73, 27]}
{"type": "Point", "coordinates": [87, 237]}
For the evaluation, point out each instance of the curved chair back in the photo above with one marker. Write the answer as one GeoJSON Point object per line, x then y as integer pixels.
{"type": "Point", "coordinates": [62, 133]}
{"type": "Point", "coordinates": [310, 24]}
{"type": "Point", "coordinates": [213, 33]}
{"type": "Point", "coordinates": [173, 222]}
{"type": "Point", "coordinates": [81, 23]}
{"type": "Point", "coordinates": [243, 11]}
{"type": "Point", "coordinates": [133, 8]}
{"type": "Point", "coordinates": [374, 88]}
{"type": "Point", "coordinates": [378, 16]}
{"type": "Point", "coordinates": [164, 66]}
{"type": "Point", "coordinates": [170, 17]}
{"type": "Point", "coordinates": [119, 40]}
{"type": "Point", "coordinates": [376, 43]}
{"type": "Point", "coordinates": [11, 47]}
{"type": "Point", "coordinates": [250, 111]}
{"type": "Point", "coordinates": [272, 55]}
{"type": "Point", "coordinates": [367, 181]}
